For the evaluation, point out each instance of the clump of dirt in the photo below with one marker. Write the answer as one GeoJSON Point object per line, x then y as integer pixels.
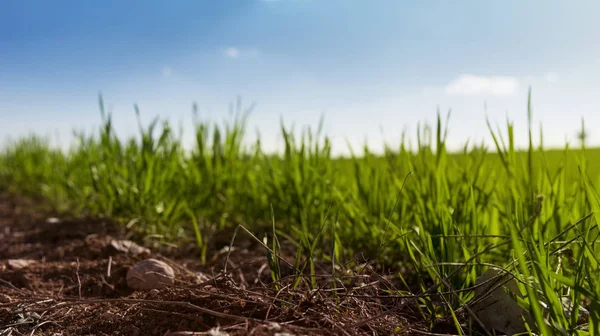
{"type": "Point", "coordinates": [73, 282]}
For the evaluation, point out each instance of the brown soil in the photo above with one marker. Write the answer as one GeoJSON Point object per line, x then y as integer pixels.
{"type": "Point", "coordinates": [76, 286]}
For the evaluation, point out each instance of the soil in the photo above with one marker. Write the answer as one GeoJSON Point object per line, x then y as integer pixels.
{"type": "Point", "coordinates": [71, 282]}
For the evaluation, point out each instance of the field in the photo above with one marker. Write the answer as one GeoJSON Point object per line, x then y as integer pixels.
{"type": "Point", "coordinates": [365, 245]}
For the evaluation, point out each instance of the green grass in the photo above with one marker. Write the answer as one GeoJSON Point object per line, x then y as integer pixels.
{"type": "Point", "coordinates": [446, 216]}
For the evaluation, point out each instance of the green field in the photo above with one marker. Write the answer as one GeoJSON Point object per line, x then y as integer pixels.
{"type": "Point", "coordinates": [440, 215]}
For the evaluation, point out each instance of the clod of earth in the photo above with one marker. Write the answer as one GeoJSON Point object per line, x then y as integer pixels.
{"type": "Point", "coordinates": [201, 277]}
{"type": "Point", "coordinates": [20, 263]}
{"type": "Point", "coordinates": [127, 246]}
{"type": "Point", "coordinates": [150, 274]}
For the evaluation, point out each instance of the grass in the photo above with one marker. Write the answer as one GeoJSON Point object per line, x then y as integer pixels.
{"type": "Point", "coordinates": [446, 217]}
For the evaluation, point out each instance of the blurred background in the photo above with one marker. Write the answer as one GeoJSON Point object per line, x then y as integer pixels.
{"type": "Point", "coordinates": [371, 69]}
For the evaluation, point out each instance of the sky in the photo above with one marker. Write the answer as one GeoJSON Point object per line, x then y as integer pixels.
{"type": "Point", "coordinates": [372, 69]}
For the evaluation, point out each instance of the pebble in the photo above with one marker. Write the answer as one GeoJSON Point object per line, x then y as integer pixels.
{"type": "Point", "coordinates": [150, 274]}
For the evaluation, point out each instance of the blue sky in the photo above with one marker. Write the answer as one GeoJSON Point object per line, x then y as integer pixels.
{"type": "Point", "coordinates": [364, 65]}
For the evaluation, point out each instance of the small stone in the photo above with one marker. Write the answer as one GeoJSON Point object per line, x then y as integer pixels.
{"type": "Point", "coordinates": [20, 263]}
{"type": "Point", "coordinates": [495, 308]}
{"type": "Point", "coordinates": [127, 246]}
{"type": "Point", "coordinates": [150, 274]}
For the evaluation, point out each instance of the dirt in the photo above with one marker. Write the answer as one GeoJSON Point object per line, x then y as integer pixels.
{"type": "Point", "coordinates": [69, 280]}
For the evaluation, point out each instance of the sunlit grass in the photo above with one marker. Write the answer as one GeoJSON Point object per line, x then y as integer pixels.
{"type": "Point", "coordinates": [446, 216]}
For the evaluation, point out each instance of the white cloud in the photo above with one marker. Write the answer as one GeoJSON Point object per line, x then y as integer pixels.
{"type": "Point", "coordinates": [551, 77]}
{"type": "Point", "coordinates": [471, 85]}
{"type": "Point", "coordinates": [167, 71]}
{"type": "Point", "coordinates": [234, 53]}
